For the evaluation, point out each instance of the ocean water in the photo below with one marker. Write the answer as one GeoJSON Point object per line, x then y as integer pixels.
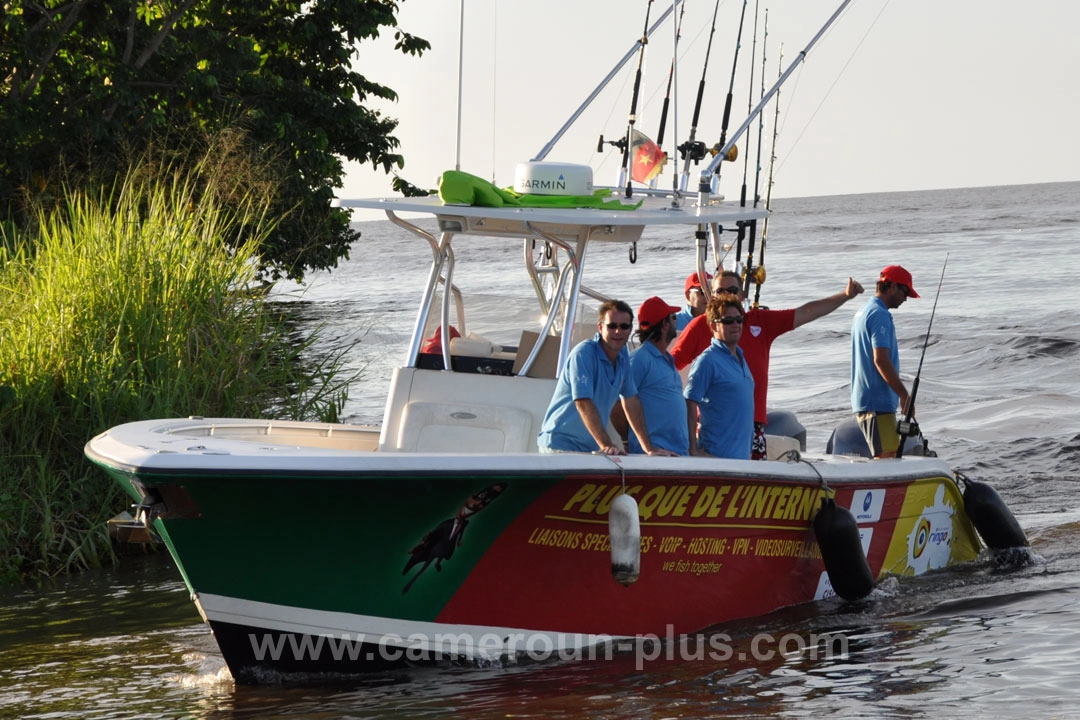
{"type": "Point", "coordinates": [999, 399]}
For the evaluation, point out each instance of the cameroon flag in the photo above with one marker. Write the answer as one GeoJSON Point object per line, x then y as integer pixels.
{"type": "Point", "coordinates": [648, 158]}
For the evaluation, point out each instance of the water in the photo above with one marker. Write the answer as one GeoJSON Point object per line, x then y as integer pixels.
{"type": "Point", "coordinates": [998, 399]}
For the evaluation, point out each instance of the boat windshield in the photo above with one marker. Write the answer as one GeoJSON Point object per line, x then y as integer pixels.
{"type": "Point", "coordinates": [490, 316]}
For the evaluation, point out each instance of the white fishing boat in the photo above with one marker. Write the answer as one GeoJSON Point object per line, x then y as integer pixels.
{"type": "Point", "coordinates": [308, 547]}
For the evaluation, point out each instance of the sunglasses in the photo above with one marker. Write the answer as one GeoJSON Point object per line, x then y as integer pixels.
{"type": "Point", "coordinates": [733, 289]}
{"type": "Point", "coordinates": [904, 289]}
{"type": "Point", "coordinates": [619, 326]}
{"type": "Point", "coordinates": [730, 320]}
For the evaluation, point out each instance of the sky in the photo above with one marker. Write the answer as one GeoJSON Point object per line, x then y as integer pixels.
{"type": "Point", "coordinates": [897, 95]}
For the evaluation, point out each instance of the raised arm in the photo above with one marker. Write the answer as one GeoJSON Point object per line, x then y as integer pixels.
{"type": "Point", "coordinates": [820, 308]}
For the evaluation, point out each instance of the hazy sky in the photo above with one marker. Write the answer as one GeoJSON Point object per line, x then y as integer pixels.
{"type": "Point", "coordinates": [898, 95]}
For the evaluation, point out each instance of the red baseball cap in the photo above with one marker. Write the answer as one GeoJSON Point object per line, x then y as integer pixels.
{"type": "Point", "coordinates": [433, 344]}
{"type": "Point", "coordinates": [653, 311]}
{"type": "Point", "coordinates": [692, 281]}
{"type": "Point", "coordinates": [897, 274]}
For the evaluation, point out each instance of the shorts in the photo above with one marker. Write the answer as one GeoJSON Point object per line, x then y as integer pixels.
{"type": "Point", "coordinates": [758, 450]}
{"type": "Point", "coordinates": [879, 429]}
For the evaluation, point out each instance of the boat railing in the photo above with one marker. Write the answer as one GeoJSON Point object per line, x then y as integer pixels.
{"type": "Point", "coordinates": [444, 314]}
{"type": "Point", "coordinates": [550, 304]}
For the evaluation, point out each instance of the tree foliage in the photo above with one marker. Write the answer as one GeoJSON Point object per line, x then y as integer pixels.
{"type": "Point", "coordinates": [85, 83]}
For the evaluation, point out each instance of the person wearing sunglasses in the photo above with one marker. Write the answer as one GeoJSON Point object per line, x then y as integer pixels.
{"type": "Point", "coordinates": [762, 327]}
{"type": "Point", "coordinates": [720, 388]}
{"type": "Point", "coordinates": [596, 376]}
{"type": "Point", "coordinates": [876, 387]}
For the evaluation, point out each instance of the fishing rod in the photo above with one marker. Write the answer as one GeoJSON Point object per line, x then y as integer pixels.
{"type": "Point", "coordinates": [749, 106]}
{"type": "Point", "coordinates": [731, 85]}
{"type": "Point", "coordinates": [705, 180]}
{"type": "Point", "coordinates": [748, 269]}
{"type": "Point", "coordinates": [761, 117]}
{"type": "Point", "coordinates": [697, 151]}
{"type": "Point", "coordinates": [908, 427]}
{"type": "Point", "coordinates": [628, 140]}
{"type": "Point", "coordinates": [769, 183]}
{"type": "Point", "coordinates": [694, 149]}
{"type": "Point", "coordinates": [676, 196]}
{"type": "Point", "coordinates": [544, 151]}
{"type": "Point", "coordinates": [727, 114]}
{"type": "Point", "coordinates": [670, 78]}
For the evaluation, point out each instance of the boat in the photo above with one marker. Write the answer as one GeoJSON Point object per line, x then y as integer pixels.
{"type": "Point", "coordinates": [443, 535]}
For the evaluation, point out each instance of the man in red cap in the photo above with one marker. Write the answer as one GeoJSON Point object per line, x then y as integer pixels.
{"type": "Point", "coordinates": [659, 386]}
{"type": "Point", "coordinates": [695, 301]}
{"type": "Point", "coordinates": [876, 387]}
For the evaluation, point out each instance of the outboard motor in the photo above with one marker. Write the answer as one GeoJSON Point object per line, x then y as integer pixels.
{"type": "Point", "coordinates": [847, 439]}
{"type": "Point", "coordinates": [784, 423]}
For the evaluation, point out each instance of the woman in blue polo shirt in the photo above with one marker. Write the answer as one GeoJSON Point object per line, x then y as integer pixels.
{"type": "Point", "coordinates": [720, 389]}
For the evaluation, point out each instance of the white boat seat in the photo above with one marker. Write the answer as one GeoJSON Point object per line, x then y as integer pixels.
{"type": "Point", "coordinates": [454, 427]}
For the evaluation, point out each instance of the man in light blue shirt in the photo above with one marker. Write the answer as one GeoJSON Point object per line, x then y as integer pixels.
{"type": "Point", "coordinates": [876, 387]}
{"type": "Point", "coordinates": [658, 382]}
{"type": "Point", "coordinates": [596, 375]}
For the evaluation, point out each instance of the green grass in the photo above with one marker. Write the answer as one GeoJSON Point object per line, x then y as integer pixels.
{"type": "Point", "coordinates": [125, 303]}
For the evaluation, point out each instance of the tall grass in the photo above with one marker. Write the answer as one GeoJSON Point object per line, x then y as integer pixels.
{"type": "Point", "coordinates": [126, 303]}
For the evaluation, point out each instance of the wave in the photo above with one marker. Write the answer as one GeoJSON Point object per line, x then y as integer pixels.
{"type": "Point", "coordinates": [1039, 346]}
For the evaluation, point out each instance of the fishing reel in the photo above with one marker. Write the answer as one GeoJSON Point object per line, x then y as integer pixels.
{"type": "Point", "coordinates": [908, 428]}
{"type": "Point", "coordinates": [694, 151]}
{"type": "Point", "coordinates": [732, 154]}
{"type": "Point", "coordinates": [620, 144]}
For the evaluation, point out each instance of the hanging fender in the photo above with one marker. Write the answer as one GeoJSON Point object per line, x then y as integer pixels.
{"type": "Point", "coordinates": [624, 529]}
{"type": "Point", "coordinates": [990, 515]}
{"type": "Point", "coordinates": [837, 535]}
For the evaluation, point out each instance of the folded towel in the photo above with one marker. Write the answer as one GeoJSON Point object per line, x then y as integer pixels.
{"type": "Point", "coordinates": [461, 188]}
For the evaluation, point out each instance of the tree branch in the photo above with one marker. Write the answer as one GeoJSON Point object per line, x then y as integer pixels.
{"type": "Point", "coordinates": [18, 91]}
{"type": "Point", "coordinates": [159, 37]}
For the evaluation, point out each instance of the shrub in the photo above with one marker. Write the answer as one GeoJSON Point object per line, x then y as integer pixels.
{"type": "Point", "coordinates": [121, 303]}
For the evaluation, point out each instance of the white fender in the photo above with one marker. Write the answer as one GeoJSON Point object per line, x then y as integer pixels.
{"type": "Point", "coordinates": [624, 529]}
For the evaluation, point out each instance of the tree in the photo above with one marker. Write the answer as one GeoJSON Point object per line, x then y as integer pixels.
{"type": "Point", "coordinates": [87, 82]}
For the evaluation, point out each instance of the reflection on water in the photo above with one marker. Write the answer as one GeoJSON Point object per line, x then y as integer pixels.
{"type": "Point", "coordinates": [105, 643]}
{"type": "Point", "coordinates": [974, 641]}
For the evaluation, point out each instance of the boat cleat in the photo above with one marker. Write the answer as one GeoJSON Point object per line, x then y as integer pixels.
{"type": "Point", "coordinates": [136, 530]}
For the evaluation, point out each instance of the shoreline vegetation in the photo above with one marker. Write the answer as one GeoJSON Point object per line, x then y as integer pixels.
{"type": "Point", "coordinates": [127, 301]}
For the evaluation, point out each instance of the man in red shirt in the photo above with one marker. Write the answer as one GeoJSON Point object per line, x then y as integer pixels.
{"type": "Point", "coordinates": [762, 327]}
